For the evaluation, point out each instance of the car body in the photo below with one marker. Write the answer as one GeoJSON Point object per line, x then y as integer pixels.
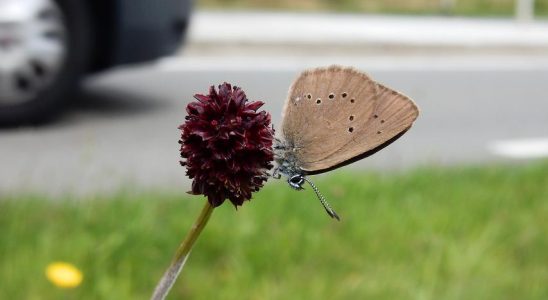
{"type": "Point", "coordinates": [130, 31]}
{"type": "Point", "coordinates": [48, 46]}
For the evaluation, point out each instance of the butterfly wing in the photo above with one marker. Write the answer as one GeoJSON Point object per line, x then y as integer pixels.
{"type": "Point", "coordinates": [336, 115]}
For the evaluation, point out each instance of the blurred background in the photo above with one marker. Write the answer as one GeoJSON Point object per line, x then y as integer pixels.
{"type": "Point", "coordinates": [92, 92]}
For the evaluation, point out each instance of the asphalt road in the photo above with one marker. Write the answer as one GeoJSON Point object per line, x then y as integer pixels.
{"type": "Point", "coordinates": [123, 133]}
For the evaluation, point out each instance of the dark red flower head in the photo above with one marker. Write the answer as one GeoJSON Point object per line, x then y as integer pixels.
{"type": "Point", "coordinates": [227, 145]}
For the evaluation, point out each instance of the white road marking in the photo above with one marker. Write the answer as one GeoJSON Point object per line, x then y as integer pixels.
{"type": "Point", "coordinates": [521, 148]}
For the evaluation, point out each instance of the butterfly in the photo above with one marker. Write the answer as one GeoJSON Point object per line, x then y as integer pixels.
{"type": "Point", "coordinates": [334, 116]}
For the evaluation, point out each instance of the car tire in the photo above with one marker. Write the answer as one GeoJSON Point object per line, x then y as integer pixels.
{"type": "Point", "coordinates": [47, 102]}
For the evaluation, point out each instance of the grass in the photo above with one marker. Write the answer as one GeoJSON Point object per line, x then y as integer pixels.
{"type": "Point", "coordinates": [459, 7]}
{"type": "Point", "coordinates": [461, 233]}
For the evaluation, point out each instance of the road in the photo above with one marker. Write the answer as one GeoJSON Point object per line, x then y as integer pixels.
{"type": "Point", "coordinates": [124, 133]}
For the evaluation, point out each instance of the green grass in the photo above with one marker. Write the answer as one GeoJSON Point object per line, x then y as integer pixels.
{"type": "Point", "coordinates": [461, 7]}
{"type": "Point", "coordinates": [461, 233]}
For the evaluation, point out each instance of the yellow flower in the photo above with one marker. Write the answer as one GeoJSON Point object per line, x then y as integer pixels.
{"type": "Point", "coordinates": [64, 275]}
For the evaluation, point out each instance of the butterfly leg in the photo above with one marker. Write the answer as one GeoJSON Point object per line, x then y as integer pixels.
{"type": "Point", "coordinates": [278, 144]}
{"type": "Point", "coordinates": [276, 173]}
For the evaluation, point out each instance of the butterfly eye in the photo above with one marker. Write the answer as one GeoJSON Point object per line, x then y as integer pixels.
{"type": "Point", "coordinates": [296, 181]}
{"type": "Point", "coordinates": [344, 95]}
{"type": "Point", "coordinates": [318, 101]}
{"type": "Point", "coordinates": [351, 118]}
{"type": "Point", "coordinates": [352, 100]}
{"type": "Point", "coordinates": [331, 96]}
{"type": "Point", "coordinates": [308, 96]}
{"type": "Point", "coordinates": [350, 129]}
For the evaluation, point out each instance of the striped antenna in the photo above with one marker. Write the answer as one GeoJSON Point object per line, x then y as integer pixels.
{"type": "Point", "coordinates": [326, 205]}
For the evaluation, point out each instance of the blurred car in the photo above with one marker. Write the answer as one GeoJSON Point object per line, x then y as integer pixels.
{"type": "Point", "coordinates": [47, 46]}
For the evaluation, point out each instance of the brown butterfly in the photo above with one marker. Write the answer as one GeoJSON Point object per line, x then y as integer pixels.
{"type": "Point", "coordinates": [335, 116]}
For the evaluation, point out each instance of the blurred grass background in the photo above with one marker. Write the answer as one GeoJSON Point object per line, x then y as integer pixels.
{"type": "Point", "coordinates": [448, 7]}
{"type": "Point", "coordinates": [458, 233]}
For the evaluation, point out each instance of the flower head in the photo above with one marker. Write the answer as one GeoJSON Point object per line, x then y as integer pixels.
{"type": "Point", "coordinates": [226, 145]}
{"type": "Point", "coordinates": [64, 275]}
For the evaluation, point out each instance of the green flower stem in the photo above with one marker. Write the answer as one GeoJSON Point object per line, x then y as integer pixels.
{"type": "Point", "coordinates": [169, 277]}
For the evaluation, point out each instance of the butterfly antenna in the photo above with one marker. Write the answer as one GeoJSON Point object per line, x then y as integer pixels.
{"type": "Point", "coordinates": [326, 205]}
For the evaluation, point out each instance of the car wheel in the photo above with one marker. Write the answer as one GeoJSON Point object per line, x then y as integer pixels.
{"type": "Point", "coordinates": [44, 51]}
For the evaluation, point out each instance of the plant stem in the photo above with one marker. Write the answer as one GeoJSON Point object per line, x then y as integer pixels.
{"type": "Point", "coordinates": [169, 277]}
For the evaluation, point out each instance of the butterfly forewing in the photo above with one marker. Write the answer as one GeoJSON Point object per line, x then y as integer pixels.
{"type": "Point", "coordinates": [336, 114]}
{"type": "Point", "coordinates": [324, 110]}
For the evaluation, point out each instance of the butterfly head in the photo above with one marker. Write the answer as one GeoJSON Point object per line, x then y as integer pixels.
{"type": "Point", "coordinates": [288, 165]}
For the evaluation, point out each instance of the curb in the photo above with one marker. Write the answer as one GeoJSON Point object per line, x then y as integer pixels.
{"type": "Point", "coordinates": [258, 29]}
